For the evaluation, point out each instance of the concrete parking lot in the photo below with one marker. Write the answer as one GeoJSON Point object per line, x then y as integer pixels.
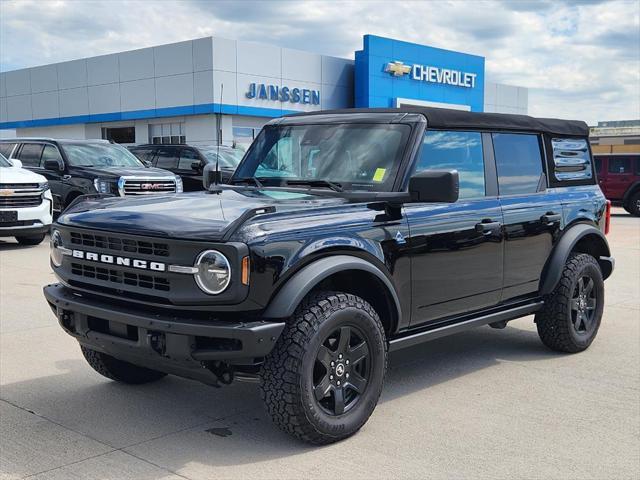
{"type": "Point", "coordinates": [482, 404]}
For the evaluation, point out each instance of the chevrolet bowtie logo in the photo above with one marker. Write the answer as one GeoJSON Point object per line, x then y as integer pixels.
{"type": "Point", "coordinates": [397, 69]}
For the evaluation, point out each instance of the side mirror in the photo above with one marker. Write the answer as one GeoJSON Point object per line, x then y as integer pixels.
{"type": "Point", "coordinates": [15, 162]}
{"type": "Point", "coordinates": [196, 166]}
{"type": "Point", "coordinates": [441, 186]}
{"type": "Point", "coordinates": [209, 175]}
{"type": "Point", "coordinates": [53, 165]}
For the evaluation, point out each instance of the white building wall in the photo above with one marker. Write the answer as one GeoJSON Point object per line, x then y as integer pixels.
{"type": "Point", "coordinates": [501, 98]}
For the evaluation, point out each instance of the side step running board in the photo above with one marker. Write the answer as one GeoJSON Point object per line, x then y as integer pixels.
{"type": "Point", "coordinates": [442, 331]}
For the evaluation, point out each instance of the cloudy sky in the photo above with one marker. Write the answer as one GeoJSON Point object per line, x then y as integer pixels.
{"type": "Point", "coordinates": [580, 59]}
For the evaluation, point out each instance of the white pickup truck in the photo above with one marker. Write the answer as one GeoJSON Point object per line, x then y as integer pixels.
{"type": "Point", "coordinates": [25, 203]}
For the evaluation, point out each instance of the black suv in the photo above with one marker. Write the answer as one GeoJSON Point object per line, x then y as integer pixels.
{"type": "Point", "coordinates": [189, 161]}
{"type": "Point", "coordinates": [81, 167]}
{"type": "Point", "coordinates": [343, 235]}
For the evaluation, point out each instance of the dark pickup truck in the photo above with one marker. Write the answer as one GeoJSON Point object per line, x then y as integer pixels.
{"type": "Point", "coordinates": [342, 236]}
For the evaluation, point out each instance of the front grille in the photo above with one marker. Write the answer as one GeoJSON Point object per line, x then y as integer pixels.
{"type": "Point", "coordinates": [148, 186]}
{"type": "Point", "coordinates": [20, 201]}
{"type": "Point", "coordinates": [19, 186]}
{"type": "Point", "coordinates": [119, 276]}
{"type": "Point", "coordinates": [108, 242]}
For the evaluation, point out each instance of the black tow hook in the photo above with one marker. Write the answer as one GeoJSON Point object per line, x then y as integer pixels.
{"type": "Point", "coordinates": [222, 371]}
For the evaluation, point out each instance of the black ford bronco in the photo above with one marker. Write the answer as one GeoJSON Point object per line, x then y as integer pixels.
{"type": "Point", "coordinates": [342, 236]}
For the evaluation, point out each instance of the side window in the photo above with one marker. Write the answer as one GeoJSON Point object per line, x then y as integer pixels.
{"type": "Point", "coordinates": [6, 149]}
{"type": "Point", "coordinates": [619, 165]}
{"type": "Point", "coordinates": [187, 157]}
{"type": "Point", "coordinates": [51, 153]}
{"type": "Point", "coordinates": [518, 162]}
{"type": "Point", "coordinates": [143, 153]}
{"type": "Point", "coordinates": [30, 154]}
{"type": "Point", "coordinates": [462, 151]}
{"type": "Point", "coordinates": [167, 158]}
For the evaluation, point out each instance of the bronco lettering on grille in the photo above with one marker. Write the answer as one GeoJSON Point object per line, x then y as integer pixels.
{"type": "Point", "coordinates": [122, 261]}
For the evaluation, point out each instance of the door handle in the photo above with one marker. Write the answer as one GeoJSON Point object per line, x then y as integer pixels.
{"type": "Point", "coordinates": [66, 177]}
{"type": "Point", "coordinates": [487, 226]}
{"type": "Point", "coordinates": [550, 217]}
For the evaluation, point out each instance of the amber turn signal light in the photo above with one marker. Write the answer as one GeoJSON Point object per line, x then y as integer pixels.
{"type": "Point", "coordinates": [245, 271]}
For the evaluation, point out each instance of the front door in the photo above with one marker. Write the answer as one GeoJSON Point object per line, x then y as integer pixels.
{"type": "Point", "coordinates": [456, 249]}
{"type": "Point", "coordinates": [619, 176]}
{"type": "Point", "coordinates": [56, 178]}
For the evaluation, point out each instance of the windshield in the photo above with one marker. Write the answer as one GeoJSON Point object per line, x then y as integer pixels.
{"type": "Point", "coordinates": [4, 163]}
{"type": "Point", "coordinates": [99, 155]}
{"type": "Point", "coordinates": [354, 156]}
{"type": "Point", "coordinates": [228, 158]}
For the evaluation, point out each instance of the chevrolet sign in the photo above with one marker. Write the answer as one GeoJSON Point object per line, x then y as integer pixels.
{"type": "Point", "coordinates": [429, 74]}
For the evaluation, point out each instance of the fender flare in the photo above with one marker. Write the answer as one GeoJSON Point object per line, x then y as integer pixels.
{"type": "Point", "coordinates": [555, 264]}
{"type": "Point", "coordinates": [284, 303]}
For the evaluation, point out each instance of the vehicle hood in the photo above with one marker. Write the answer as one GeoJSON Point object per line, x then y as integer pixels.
{"type": "Point", "coordinates": [117, 172]}
{"type": "Point", "coordinates": [189, 216]}
{"type": "Point", "coordinates": [19, 175]}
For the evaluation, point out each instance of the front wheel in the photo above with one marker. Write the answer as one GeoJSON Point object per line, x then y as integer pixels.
{"type": "Point", "coordinates": [31, 239]}
{"type": "Point", "coordinates": [570, 318]}
{"type": "Point", "coordinates": [323, 378]}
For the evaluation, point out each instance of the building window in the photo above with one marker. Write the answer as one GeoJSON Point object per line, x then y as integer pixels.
{"type": "Point", "coordinates": [119, 134]}
{"type": "Point", "coordinates": [245, 134]}
{"type": "Point", "coordinates": [167, 133]}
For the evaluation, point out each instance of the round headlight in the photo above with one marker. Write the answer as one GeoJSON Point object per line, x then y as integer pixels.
{"type": "Point", "coordinates": [56, 248]}
{"type": "Point", "coordinates": [214, 272]}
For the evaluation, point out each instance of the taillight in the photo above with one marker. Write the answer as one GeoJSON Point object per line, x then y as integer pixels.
{"type": "Point", "coordinates": [607, 217]}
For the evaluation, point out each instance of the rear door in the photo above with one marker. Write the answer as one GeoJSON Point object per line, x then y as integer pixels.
{"type": "Point", "coordinates": [619, 176]}
{"type": "Point", "coordinates": [532, 215]}
{"type": "Point", "coordinates": [456, 249]}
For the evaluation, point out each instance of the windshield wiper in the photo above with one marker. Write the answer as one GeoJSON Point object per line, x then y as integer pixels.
{"type": "Point", "coordinates": [336, 187]}
{"type": "Point", "coordinates": [254, 180]}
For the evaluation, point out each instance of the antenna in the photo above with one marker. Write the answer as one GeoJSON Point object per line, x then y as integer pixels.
{"type": "Point", "coordinates": [217, 178]}
{"type": "Point", "coordinates": [215, 188]}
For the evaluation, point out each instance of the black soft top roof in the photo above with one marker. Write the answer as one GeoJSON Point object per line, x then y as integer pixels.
{"type": "Point", "coordinates": [447, 118]}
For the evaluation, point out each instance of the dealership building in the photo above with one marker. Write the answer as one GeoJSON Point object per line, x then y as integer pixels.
{"type": "Point", "coordinates": [191, 91]}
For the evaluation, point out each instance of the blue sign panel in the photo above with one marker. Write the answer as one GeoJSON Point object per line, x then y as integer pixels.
{"type": "Point", "coordinates": [389, 72]}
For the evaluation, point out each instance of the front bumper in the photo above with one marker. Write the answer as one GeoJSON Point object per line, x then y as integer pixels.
{"type": "Point", "coordinates": [178, 345]}
{"type": "Point", "coordinates": [33, 220]}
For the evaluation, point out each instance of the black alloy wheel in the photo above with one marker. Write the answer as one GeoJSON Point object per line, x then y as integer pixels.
{"type": "Point", "coordinates": [341, 370]}
{"type": "Point", "coordinates": [583, 306]}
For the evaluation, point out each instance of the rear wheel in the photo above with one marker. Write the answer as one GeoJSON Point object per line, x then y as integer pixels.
{"type": "Point", "coordinates": [323, 379]}
{"type": "Point", "coordinates": [633, 204]}
{"type": "Point", "coordinates": [31, 239]}
{"type": "Point", "coordinates": [119, 370]}
{"type": "Point", "coordinates": [570, 318]}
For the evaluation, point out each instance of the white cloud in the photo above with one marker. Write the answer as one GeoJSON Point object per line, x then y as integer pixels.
{"type": "Point", "coordinates": [581, 59]}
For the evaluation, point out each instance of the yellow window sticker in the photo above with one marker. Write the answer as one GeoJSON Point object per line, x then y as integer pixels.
{"type": "Point", "coordinates": [379, 175]}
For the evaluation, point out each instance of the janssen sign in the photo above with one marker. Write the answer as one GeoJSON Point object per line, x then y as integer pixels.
{"type": "Point", "coordinates": [429, 74]}
{"type": "Point", "coordinates": [276, 93]}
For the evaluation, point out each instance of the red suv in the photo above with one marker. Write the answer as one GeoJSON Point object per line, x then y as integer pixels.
{"type": "Point", "coordinates": [619, 177]}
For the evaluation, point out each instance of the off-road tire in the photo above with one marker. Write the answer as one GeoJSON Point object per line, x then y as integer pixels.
{"type": "Point", "coordinates": [554, 321]}
{"type": "Point", "coordinates": [287, 373]}
{"type": "Point", "coordinates": [119, 370]}
{"type": "Point", "coordinates": [633, 204]}
{"type": "Point", "coordinates": [31, 239]}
